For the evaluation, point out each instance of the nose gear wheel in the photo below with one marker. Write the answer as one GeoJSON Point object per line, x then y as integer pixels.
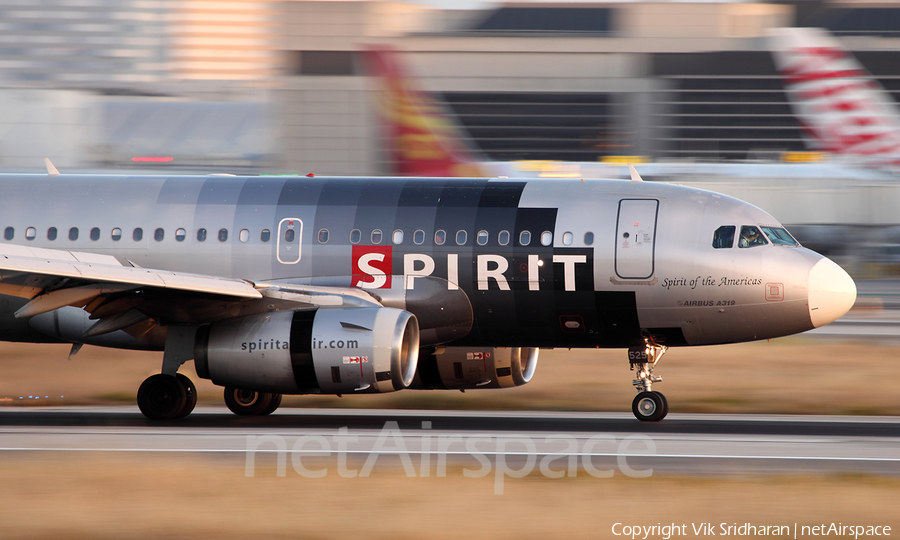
{"type": "Point", "coordinates": [648, 405]}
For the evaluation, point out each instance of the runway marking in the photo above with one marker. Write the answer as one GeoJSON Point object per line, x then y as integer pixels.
{"type": "Point", "coordinates": [455, 453]}
{"type": "Point", "coordinates": [301, 413]}
{"type": "Point", "coordinates": [537, 435]}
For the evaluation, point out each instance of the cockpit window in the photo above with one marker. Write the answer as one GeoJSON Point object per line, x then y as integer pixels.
{"type": "Point", "coordinates": [723, 237]}
{"type": "Point", "coordinates": [779, 236]}
{"type": "Point", "coordinates": [751, 237]}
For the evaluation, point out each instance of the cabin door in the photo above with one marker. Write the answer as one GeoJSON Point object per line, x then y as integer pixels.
{"type": "Point", "coordinates": [636, 238]}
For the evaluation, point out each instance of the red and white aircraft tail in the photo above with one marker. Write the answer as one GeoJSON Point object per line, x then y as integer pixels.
{"type": "Point", "coordinates": [422, 140]}
{"type": "Point", "coordinates": [841, 107]}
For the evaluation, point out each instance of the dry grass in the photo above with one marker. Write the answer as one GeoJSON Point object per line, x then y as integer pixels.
{"type": "Point", "coordinates": [790, 375]}
{"type": "Point", "coordinates": [85, 496]}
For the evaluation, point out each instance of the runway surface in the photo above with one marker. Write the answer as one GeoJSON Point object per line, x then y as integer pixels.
{"type": "Point", "coordinates": [882, 327]}
{"type": "Point", "coordinates": [683, 443]}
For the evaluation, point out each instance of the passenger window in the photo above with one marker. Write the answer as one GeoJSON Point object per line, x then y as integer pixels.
{"type": "Point", "coordinates": [201, 235]}
{"type": "Point", "coordinates": [289, 235]}
{"type": "Point", "coordinates": [780, 237]}
{"type": "Point", "coordinates": [223, 235]}
{"type": "Point", "coordinates": [180, 235]}
{"type": "Point", "coordinates": [461, 238]}
{"type": "Point", "coordinates": [30, 233]}
{"type": "Point", "coordinates": [323, 236]}
{"type": "Point", "coordinates": [440, 237]}
{"type": "Point", "coordinates": [482, 238]}
{"type": "Point", "coordinates": [376, 236]}
{"type": "Point", "coordinates": [51, 233]}
{"type": "Point", "coordinates": [116, 234]}
{"type": "Point", "coordinates": [9, 233]}
{"type": "Point", "coordinates": [159, 234]}
{"type": "Point", "coordinates": [751, 237]}
{"type": "Point", "coordinates": [724, 237]}
{"type": "Point", "coordinates": [244, 235]}
{"type": "Point", "coordinates": [265, 235]}
{"type": "Point", "coordinates": [524, 238]}
{"type": "Point", "coordinates": [73, 233]}
{"type": "Point", "coordinates": [419, 237]}
{"type": "Point", "coordinates": [355, 236]}
{"type": "Point", "coordinates": [568, 238]}
{"type": "Point", "coordinates": [588, 238]}
{"type": "Point", "coordinates": [138, 234]}
{"type": "Point", "coordinates": [397, 237]}
{"type": "Point", "coordinates": [503, 238]}
{"type": "Point", "coordinates": [95, 234]}
{"type": "Point", "coordinates": [546, 238]}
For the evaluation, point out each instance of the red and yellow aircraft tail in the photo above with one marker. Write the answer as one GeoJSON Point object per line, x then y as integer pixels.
{"type": "Point", "coordinates": [421, 138]}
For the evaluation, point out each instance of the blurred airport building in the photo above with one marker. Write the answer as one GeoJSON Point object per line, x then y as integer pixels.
{"type": "Point", "coordinates": [283, 84]}
{"type": "Point", "coordinates": [575, 82]}
{"type": "Point", "coordinates": [245, 86]}
{"type": "Point", "coordinates": [96, 83]}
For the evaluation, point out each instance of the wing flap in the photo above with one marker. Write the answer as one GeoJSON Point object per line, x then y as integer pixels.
{"type": "Point", "coordinates": [64, 297]}
{"type": "Point", "coordinates": [25, 269]}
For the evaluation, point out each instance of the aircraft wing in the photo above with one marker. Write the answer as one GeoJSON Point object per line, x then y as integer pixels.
{"type": "Point", "coordinates": [122, 295]}
{"type": "Point", "coordinates": [29, 272]}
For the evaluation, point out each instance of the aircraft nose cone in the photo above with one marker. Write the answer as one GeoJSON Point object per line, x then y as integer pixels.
{"type": "Point", "coordinates": [832, 292]}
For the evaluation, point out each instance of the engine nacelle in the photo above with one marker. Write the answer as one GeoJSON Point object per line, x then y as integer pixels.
{"type": "Point", "coordinates": [455, 368]}
{"type": "Point", "coordinates": [328, 351]}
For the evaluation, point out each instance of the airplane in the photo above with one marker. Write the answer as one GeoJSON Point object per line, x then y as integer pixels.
{"type": "Point", "coordinates": [840, 106]}
{"type": "Point", "coordinates": [360, 285]}
{"type": "Point", "coordinates": [422, 138]}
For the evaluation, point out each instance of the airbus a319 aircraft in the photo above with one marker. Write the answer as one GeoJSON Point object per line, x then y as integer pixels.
{"type": "Point", "coordinates": [307, 285]}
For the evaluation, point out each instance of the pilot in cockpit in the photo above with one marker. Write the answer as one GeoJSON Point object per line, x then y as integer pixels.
{"type": "Point", "coordinates": [750, 237]}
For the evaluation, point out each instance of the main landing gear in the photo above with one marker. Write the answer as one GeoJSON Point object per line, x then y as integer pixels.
{"type": "Point", "coordinates": [648, 405]}
{"type": "Point", "coordinates": [250, 402]}
{"type": "Point", "coordinates": [167, 397]}
{"type": "Point", "coordinates": [170, 395]}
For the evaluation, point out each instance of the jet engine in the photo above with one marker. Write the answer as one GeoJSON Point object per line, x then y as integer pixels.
{"type": "Point", "coordinates": [472, 367]}
{"type": "Point", "coordinates": [329, 351]}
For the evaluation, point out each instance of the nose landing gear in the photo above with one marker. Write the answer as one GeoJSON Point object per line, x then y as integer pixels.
{"type": "Point", "coordinates": [648, 405]}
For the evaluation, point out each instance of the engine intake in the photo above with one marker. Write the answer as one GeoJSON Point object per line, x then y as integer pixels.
{"type": "Point", "coordinates": [472, 367]}
{"type": "Point", "coordinates": [328, 351]}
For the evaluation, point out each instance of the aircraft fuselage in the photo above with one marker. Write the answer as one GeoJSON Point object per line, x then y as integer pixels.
{"type": "Point", "coordinates": [544, 263]}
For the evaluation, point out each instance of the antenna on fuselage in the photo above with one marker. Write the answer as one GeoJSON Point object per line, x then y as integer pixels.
{"type": "Point", "coordinates": [635, 177]}
{"type": "Point", "coordinates": [51, 170]}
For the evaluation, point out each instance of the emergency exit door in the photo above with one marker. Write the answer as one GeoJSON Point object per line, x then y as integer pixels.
{"type": "Point", "coordinates": [290, 234]}
{"type": "Point", "coordinates": [636, 238]}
